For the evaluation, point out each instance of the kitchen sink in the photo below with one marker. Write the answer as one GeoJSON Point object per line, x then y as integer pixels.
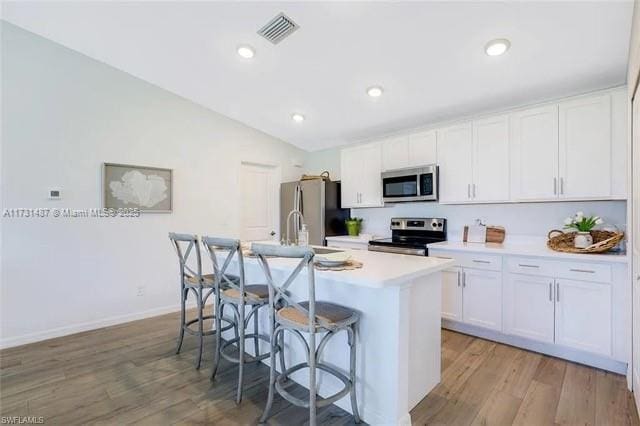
{"type": "Point", "coordinates": [325, 250]}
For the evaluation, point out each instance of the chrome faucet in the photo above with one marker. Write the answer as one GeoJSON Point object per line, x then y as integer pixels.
{"type": "Point", "coordinates": [289, 216]}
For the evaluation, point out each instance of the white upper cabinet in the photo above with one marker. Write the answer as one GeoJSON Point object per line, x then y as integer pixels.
{"type": "Point", "coordinates": [361, 182]}
{"type": "Point", "coordinates": [395, 153]}
{"type": "Point", "coordinates": [491, 159]}
{"type": "Point", "coordinates": [414, 150]}
{"type": "Point", "coordinates": [619, 150]}
{"type": "Point", "coordinates": [422, 148]}
{"type": "Point", "coordinates": [455, 147]}
{"type": "Point", "coordinates": [534, 154]}
{"type": "Point", "coordinates": [585, 147]}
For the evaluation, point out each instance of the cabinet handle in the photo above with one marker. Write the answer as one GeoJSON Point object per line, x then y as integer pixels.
{"type": "Point", "coordinates": [550, 292]}
{"type": "Point", "coordinates": [586, 271]}
{"type": "Point", "coordinates": [458, 278]}
{"type": "Point", "coordinates": [474, 190]}
{"type": "Point", "coordinates": [480, 261]}
{"type": "Point", "coordinates": [555, 186]}
{"type": "Point", "coordinates": [557, 292]}
{"type": "Point", "coordinates": [469, 190]}
{"type": "Point", "coordinates": [464, 279]}
{"type": "Point", "coordinates": [561, 186]}
{"type": "Point", "coordinates": [523, 265]}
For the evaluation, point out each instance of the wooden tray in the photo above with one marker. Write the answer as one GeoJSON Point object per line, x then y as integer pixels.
{"type": "Point", "coordinates": [603, 241]}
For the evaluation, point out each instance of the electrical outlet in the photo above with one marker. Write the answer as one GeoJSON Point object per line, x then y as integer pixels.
{"type": "Point", "coordinates": [140, 290]}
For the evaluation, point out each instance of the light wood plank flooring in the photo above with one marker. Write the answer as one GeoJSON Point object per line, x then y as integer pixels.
{"type": "Point", "coordinates": [130, 374]}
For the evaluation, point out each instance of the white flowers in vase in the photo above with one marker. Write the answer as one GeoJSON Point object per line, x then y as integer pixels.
{"type": "Point", "coordinates": [582, 223]}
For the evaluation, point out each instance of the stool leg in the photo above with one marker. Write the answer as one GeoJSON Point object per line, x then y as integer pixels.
{"type": "Point", "coordinates": [241, 324]}
{"type": "Point", "coordinates": [200, 328]}
{"type": "Point", "coordinates": [216, 361]}
{"type": "Point", "coordinates": [256, 343]}
{"type": "Point", "coordinates": [182, 318]}
{"type": "Point", "coordinates": [352, 371]}
{"type": "Point", "coordinates": [312, 378]}
{"type": "Point", "coordinates": [283, 367]}
{"type": "Point", "coordinates": [272, 375]}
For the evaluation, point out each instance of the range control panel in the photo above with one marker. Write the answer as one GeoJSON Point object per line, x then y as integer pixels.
{"type": "Point", "coordinates": [418, 224]}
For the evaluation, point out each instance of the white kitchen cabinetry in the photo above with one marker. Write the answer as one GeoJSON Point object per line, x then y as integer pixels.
{"type": "Point", "coordinates": [361, 183]}
{"type": "Point", "coordinates": [534, 154]}
{"type": "Point", "coordinates": [414, 150]}
{"type": "Point", "coordinates": [422, 148]}
{"type": "Point", "coordinates": [395, 153]}
{"type": "Point", "coordinates": [583, 315]}
{"type": "Point", "coordinates": [452, 294]}
{"type": "Point", "coordinates": [482, 298]}
{"type": "Point", "coordinates": [530, 307]}
{"type": "Point", "coordinates": [455, 148]}
{"type": "Point", "coordinates": [585, 147]}
{"type": "Point", "coordinates": [474, 161]}
{"type": "Point", "coordinates": [491, 159]}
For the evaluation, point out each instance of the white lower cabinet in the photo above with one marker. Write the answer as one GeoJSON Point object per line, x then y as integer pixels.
{"type": "Point", "coordinates": [473, 296]}
{"type": "Point", "coordinates": [563, 304]}
{"type": "Point", "coordinates": [452, 294]}
{"type": "Point", "coordinates": [583, 315]}
{"type": "Point", "coordinates": [482, 298]}
{"type": "Point", "coordinates": [530, 307]}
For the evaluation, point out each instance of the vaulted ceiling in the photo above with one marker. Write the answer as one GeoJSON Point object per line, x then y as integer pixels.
{"type": "Point", "coordinates": [428, 56]}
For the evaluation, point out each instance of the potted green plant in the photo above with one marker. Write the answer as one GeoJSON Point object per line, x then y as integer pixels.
{"type": "Point", "coordinates": [582, 225]}
{"type": "Point", "coordinates": [353, 226]}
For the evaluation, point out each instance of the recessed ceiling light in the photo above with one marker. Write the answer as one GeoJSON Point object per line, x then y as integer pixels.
{"type": "Point", "coordinates": [497, 47]}
{"type": "Point", "coordinates": [374, 91]}
{"type": "Point", "coordinates": [298, 118]}
{"type": "Point", "coordinates": [246, 51]}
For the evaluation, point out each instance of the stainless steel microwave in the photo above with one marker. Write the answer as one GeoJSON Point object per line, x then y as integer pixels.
{"type": "Point", "coordinates": [413, 184]}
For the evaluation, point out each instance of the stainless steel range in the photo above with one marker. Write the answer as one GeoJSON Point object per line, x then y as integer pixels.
{"type": "Point", "coordinates": [411, 236]}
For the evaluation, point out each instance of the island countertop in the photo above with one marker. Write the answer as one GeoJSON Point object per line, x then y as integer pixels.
{"type": "Point", "coordinates": [379, 270]}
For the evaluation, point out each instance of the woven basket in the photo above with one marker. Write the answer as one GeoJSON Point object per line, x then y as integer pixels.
{"type": "Point", "coordinates": [602, 241]}
{"type": "Point", "coordinates": [324, 176]}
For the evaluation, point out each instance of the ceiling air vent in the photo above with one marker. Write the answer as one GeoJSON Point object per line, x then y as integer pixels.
{"type": "Point", "coordinates": [278, 28]}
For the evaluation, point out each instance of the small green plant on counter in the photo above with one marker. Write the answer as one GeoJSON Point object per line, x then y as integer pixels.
{"type": "Point", "coordinates": [582, 223]}
{"type": "Point", "coordinates": [353, 226]}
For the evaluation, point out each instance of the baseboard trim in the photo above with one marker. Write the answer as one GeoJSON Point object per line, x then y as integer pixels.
{"type": "Point", "coordinates": [569, 354]}
{"type": "Point", "coordinates": [10, 342]}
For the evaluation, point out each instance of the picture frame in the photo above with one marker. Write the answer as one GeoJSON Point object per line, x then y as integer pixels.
{"type": "Point", "coordinates": [128, 186]}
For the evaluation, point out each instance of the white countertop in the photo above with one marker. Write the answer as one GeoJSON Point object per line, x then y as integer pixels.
{"type": "Point", "coordinates": [379, 270]}
{"type": "Point", "coordinates": [536, 249]}
{"type": "Point", "coordinates": [362, 238]}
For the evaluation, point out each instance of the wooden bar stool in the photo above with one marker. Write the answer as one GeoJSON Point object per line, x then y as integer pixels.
{"type": "Point", "coordinates": [311, 317]}
{"type": "Point", "coordinates": [202, 286]}
{"type": "Point", "coordinates": [237, 295]}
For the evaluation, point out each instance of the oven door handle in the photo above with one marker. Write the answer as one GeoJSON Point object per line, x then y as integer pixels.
{"type": "Point", "coordinates": [398, 250]}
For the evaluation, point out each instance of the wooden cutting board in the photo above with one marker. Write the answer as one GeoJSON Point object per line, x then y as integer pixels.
{"type": "Point", "coordinates": [495, 234]}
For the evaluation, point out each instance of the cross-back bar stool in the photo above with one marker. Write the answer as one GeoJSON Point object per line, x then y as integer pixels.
{"type": "Point", "coordinates": [311, 317]}
{"type": "Point", "coordinates": [237, 295]}
{"type": "Point", "coordinates": [201, 285]}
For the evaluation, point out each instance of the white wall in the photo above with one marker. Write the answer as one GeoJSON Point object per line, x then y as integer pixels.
{"type": "Point", "coordinates": [63, 116]}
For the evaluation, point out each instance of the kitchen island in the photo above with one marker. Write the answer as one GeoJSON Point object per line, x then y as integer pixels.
{"type": "Point", "coordinates": [398, 341]}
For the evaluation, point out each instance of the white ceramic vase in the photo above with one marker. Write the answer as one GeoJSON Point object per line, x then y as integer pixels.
{"type": "Point", "coordinates": [582, 240]}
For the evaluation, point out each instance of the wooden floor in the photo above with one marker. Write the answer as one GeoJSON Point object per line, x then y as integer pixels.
{"type": "Point", "coordinates": [130, 374]}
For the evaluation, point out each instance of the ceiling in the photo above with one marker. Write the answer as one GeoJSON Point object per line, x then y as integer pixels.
{"type": "Point", "coordinates": [428, 56]}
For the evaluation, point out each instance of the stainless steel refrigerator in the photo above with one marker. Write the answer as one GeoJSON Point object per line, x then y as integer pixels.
{"type": "Point", "coordinates": [319, 202]}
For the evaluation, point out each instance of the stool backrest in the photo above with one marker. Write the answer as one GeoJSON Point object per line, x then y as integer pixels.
{"type": "Point", "coordinates": [231, 247]}
{"type": "Point", "coordinates": [184, 245]}
{"type": "Point", "coordinates": [278, 291]}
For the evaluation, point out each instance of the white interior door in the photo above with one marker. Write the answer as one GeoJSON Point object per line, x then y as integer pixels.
{"type": "Point", "coordinates": [636, 245]}
{"type": "Point", "coordinates": [259, 187]}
